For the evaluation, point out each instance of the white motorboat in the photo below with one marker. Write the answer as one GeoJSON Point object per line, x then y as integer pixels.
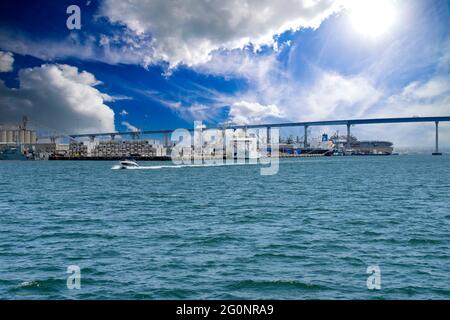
{"type": "Point", "coordinates": [128, 164]}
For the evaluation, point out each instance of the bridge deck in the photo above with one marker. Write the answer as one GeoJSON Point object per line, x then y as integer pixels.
{"type": "Point", "coordinates": [274, 125]}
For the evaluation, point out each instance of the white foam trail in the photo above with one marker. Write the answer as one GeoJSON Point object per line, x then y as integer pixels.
{"type": "Point", "coordinates": [116, 167]}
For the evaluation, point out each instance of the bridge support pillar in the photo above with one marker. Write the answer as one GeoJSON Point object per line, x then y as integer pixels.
{"type": "Point", "coordinates": [113, 137]}
{"type": "Point", "coordinates": [165, 139]}
{"type": "Point", "coordinates": [92, 138]}
{"type": "Point", "coordinates": [224, 143]}
{"type": "Point", "coordinates": [305, 138]}
{"type": "Point", "coordinates": [436, 150]}
{"type": "Point", "coordinates": [135, 135]}
{"type": "Point", "coordinates": [268, 136]}
{"type": "Point", "coordinates": [348, 144]}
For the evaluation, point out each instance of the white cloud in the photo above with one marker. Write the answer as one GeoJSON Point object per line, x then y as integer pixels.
{"type": "Point", "coordinates": [123, 113]}
{"type": "Point", "coordinates": [6, 61]}
{"type": "Point", "coordinates": [120, 48]}
{"type": "Point", "coordinates": [195, 111]}
{"type": "Point", "coordinates": [273, 95]}
{"type": "Point", "coordinates": [427, 98]}
{"type": "Point", "coordinates": [59, 98]}
{"type": "Point", "coordinates": [184, 102]}
{"type": "Point", "coordinates": [187, 31]}
{"type": "Point", "coordinates": [129, 126]}
{"type": "Point", "coordinates": [241, 64]}
{"type": "Point", "coordinates": [336, 96]}
{"type": "Point", "coordinates": [430, 89]}
{"type": "Point", "coordinates": [245, 112]}
{"type": "Point", "coordinates": [327, 95]}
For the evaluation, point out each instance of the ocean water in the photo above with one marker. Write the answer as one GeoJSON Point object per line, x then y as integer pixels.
{"type": "Point", "coordinates": [309, 232]}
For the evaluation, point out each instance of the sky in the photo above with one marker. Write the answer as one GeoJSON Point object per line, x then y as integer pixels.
{"type": "Point", "coordinates": [158, 64]}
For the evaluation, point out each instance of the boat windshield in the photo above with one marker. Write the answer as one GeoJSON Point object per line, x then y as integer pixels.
{"type": "Point", "coordinates": [128, 164]}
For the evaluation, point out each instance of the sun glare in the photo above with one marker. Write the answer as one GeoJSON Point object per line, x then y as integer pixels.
{"type": "Point", "coordinates": [372, 17]}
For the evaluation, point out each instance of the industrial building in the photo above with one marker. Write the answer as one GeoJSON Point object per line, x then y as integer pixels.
{"type": "Point", "coordinates": [117, 148]}
{"type": "Point", "coordinates": [77, 149]}
{"type": "Point", "coordinates": [125, 148]}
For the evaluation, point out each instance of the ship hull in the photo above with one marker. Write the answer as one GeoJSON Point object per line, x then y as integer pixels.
{"type": "Point", "coordinates": [12, 154]}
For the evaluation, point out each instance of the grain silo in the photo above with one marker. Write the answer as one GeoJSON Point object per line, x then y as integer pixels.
{"type": "Point", "coordinates": [10, 136]}
{"type": "Point", "coordinates": [33, 137]}
{"type": "Point", "coordinates": [27, 137]}
{"type": "Point", "coordinates": [3, 136]}
{"type": "Point", "coordinates": [21, 134]}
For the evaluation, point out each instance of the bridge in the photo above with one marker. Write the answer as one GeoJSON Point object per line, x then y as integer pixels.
{"type": "Point", "coordinates": [306, 125]}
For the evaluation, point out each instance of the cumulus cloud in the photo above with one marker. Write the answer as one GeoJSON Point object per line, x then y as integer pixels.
{"type": "Point", "coordinates": [187, 31]}
{"type": "Point", "coordinates": [59, 98]}
{"type": "Point", "coordinates": [245, 112]}
{"type": "Point", "coordinates": [6, 61]}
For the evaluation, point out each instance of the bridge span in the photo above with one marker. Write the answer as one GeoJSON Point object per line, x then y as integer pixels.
{"type": "Point", "coordinates": [348, 123]}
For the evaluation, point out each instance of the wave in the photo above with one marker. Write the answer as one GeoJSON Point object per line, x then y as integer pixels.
{"type": "Point", "coordinates": [425, 241]}
{"type": "Point", "coordinates": [50, 284]}
{"type": "Point", "coordinates": [29, 284]}
{"type": "Point", "coordinates": [276, 284]}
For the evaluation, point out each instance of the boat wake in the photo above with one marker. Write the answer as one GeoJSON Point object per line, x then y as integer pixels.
{"type": "Point", "coordinates": [118, 167]}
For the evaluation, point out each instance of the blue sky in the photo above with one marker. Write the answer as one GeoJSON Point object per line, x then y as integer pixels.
{"type": "Point", "coordinates": [163, 64]}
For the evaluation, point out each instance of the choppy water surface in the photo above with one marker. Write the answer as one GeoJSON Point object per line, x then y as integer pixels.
{"type": "Point", "coordinates": [310, 231]}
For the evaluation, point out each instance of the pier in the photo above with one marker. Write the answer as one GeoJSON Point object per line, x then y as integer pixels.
{"type": "Point", "coordinates": [348, 123]}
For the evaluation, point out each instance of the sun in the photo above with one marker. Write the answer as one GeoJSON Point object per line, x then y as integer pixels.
{"type": "Point", "coordinates": [372, 18]}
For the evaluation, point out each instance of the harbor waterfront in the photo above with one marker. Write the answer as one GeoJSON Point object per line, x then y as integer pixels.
{"type": "Point", "coordinates": [226, 232]}
{"type": "Point", "coordinates": [199, 142]}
